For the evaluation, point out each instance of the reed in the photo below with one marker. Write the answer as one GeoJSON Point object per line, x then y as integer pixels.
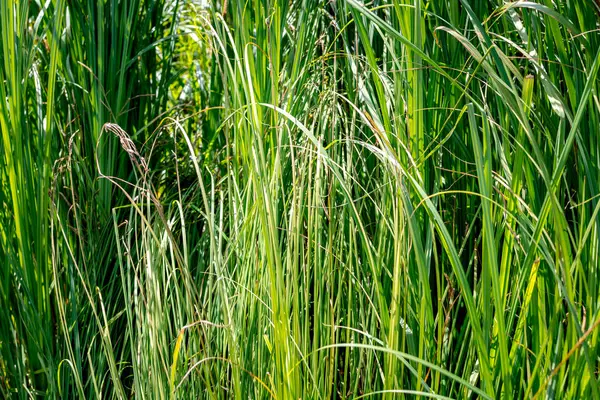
{"type": "Point", "coordinates": [299, 199]}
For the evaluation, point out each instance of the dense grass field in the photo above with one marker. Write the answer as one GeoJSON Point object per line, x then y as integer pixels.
{"type": "Point", "coordinates": [300, 199]}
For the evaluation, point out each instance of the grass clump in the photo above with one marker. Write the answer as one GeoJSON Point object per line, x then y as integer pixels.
{"type": "Point", "coordinates": [299, 199]}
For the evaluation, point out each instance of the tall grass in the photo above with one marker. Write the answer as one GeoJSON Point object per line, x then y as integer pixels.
{"type": "Point", "coordinates": [299, 199]}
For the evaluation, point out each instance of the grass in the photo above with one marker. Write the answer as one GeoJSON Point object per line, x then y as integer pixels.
{"type": "Point", "coordinates": [299, 199]}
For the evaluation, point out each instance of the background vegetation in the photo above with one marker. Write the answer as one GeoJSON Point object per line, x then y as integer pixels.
{"type": "Point", "coordinates": [299, 199]}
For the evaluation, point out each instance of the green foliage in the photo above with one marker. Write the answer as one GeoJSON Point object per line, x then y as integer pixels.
{"type": "Point", "coordinates": [299, 199]}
